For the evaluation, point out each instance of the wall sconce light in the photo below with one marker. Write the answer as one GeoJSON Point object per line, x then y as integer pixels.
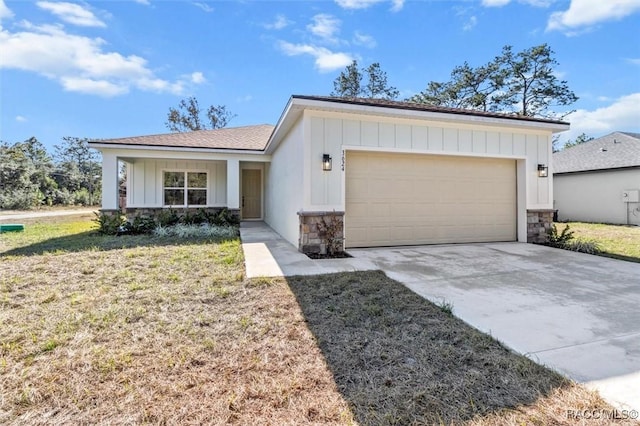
{"type": "Point", "coordinates": [543, 171]}
{"type": "Point", "coordinates": [326, 162]}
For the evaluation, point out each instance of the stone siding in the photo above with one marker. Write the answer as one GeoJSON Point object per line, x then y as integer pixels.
{"type": "Point", "coordinates": [313, 237]}
{"type": "Point", "coordinates": [539, 223]}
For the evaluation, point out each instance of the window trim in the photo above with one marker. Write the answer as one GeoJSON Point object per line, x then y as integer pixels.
{"type": "Point", "coordinates": [185, 188]}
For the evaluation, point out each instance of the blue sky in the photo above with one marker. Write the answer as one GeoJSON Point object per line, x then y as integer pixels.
{"type": "Point", "coordinates": [110, 69]}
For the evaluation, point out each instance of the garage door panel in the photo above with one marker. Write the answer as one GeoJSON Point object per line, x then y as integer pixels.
{"type": "Point", "coordinates": [421, 199]}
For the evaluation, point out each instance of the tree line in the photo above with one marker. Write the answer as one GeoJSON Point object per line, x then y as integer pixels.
{"type": "Point", "coordinates": [31, 177]}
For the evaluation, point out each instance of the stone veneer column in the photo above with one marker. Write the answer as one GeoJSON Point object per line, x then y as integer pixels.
{"type": "Point", "coordinates": [539, 223]}
{"type": "Point", "coordinates": [312, 239]}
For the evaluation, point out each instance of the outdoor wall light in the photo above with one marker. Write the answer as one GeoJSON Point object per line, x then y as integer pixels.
{"type": "Point", "coordinates": [543, 171]}
{"type": "Point", "coordinates": [326, 162]}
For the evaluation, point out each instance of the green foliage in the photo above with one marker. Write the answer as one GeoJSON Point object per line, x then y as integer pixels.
{"type": "Point", "coordinates": [567, 241]}
{"type": "Point", "coordinates": [140, 225]}
{"type": "Point", "coordinates": [188, 117]}
{"type": "Point", "coordinates": [225, 217]}
{"type": "Point", "coordinates": [349, 84]}
{"type": "Point", "coordinates": [562, 239]}
{"type": "Point", "coordinates": [167, 217]}
{"type": "Point", "coordinates": [582, 138]}
{"type": "Point", "coordinates": [522, 83]}
{"type": "Point", "coordinates": [109, 224]}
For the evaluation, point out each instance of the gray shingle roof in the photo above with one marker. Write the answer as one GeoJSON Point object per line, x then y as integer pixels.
{"type": "Point", "coordinates": [616, 150]}
{"type": "Point", "coordinates": [252, 138]}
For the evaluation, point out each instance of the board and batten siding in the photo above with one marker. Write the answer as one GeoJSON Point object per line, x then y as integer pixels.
{"type": "Point", "coordinates": [144, 180]}
{"type": "Point", "coordinates": [330, 134]}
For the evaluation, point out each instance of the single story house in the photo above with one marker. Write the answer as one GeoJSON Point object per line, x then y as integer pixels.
{"type": "Point", "coordinates": [393, 173]}
{"type": "Point", "coordinates": [599, 180]}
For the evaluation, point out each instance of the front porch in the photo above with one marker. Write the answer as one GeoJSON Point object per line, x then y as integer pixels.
{"type": "Point", "coordinates": [156, 182]}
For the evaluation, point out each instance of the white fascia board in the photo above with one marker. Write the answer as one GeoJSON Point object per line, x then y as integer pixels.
{"type": "Point", "coordinates": [180, 152]}
{"type": "Point", "coordinates": [430, 115]}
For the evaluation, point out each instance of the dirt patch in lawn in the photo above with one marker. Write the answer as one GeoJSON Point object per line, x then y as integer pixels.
{"type": "Point", "coordinates": [399, 359]}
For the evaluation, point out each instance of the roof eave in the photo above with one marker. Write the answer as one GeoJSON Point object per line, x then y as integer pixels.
{"type": "Point", "coordinates": [106, 145]}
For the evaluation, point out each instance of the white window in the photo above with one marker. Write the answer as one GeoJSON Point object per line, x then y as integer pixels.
{"type": "Point", "coordinates": [185, 188]}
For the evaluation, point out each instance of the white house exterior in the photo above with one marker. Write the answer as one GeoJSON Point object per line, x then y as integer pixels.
{"type": "Point", "coordinates": [599, 181]}
{"type": "Point", "coordinates": [401, 173]}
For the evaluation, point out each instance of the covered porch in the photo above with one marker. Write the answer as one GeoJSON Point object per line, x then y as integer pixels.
{"type": "Point", "coordinates": [157, 180]}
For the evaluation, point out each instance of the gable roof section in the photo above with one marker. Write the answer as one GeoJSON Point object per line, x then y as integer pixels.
{"type": "Point", "coordinates": [404, 110]}
{"type": "Point", "coordinates": [412, 106]}
{"type": "Point", "coordinates": [614, 151]}
{"type": "Point", "coordinates": [247, 138]}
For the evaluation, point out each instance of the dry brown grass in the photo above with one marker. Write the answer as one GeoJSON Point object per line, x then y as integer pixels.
{"type": "Point", "coordinates": [170, 332]}
{"type": "Point", "coordinates": [156, 334]}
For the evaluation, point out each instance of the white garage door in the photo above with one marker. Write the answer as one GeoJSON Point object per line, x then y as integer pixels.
{"type": "Point", "coordinates": [405, 199]}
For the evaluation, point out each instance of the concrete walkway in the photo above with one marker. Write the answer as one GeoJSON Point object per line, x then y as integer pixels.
{"type": "Point", "coordinates": [574, 312]}
{"type": "Point", "coordinates": [267, 254]}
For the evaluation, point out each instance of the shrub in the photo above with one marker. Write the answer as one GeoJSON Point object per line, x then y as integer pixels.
{"type": "Point", "coordinates": [225, 218]}
{"type": "Point", "coordinates": [203, 230]}
{"type": "Point", "coordinates": [140, 225]}
{"type": "Point", "coordinates": [566, 240]}
{"type": "Point", "coordinates": [330, 231]}
{"type": "Point", "coordinates": [561, 240]}
{"type": "Point", "coordinates": [109, 224]}
{"type": "Point", "coordinates": [167, 217]}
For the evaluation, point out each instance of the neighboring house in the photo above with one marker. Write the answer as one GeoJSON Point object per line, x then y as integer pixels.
{"type": "Point", "coordinates": [599, 180]}
{"type": "Point", "coordinates": [398, 173]}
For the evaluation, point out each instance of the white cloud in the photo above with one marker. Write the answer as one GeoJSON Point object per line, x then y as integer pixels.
{"type": "Point", "coordinates": [203, 6]}
{"type": "Point", "coordinates": [325, 60]}
{"type": "Point", "coordinates": [245, 98]}
{"type": "Point", "coordinates": [365, 40]}
{"type": "Point", "coordinates": [5, 12]}
{"type": "Point", "coordinates": [396, 5]}
{"type": "Point", "coordinates": [72, 13]}
{"type": "Point", "coordinates": [634, 61]}
{"type": "Point", "coordinates": [495, 3]}
{"type": "Point", "coordinates": [621, 115]}
{"type": "Point", "coordinates": [500, 3]}
{"type": "Point", "coordinates": [79, 63]}
{"type": "Point", "coordinates": [468, 26]}
{"type": "Point", "coordinates": [21, 119]}
{"type": "Point", "coordinates": [197, 78]}
{"type": "Point", "coordinates": [324, 26]}
{"type": "Point", "coordinates": [279, 23]}
{"type": "Point", "coordinates": [586, 13]}
{"type": "Point", "coordinates": [144, 2]}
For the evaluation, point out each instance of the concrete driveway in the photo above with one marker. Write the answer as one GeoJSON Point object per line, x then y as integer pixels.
{"type": "Point", "coordinates": [577, 313]}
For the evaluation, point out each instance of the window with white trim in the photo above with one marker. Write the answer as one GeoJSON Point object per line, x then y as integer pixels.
{"type": "Point", "coordinates": [185, 188]}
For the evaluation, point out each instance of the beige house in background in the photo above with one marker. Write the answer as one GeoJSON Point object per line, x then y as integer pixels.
{"type": "Point", "coordinates": [397, 173]}
{"type": "Point", "coordinates": [599, 180]}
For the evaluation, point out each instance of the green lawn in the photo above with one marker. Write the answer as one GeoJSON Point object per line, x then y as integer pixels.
{"type": "Point", "coordinates": [136, 330]}
{"type": "Point", "coordinates": [615, 240]}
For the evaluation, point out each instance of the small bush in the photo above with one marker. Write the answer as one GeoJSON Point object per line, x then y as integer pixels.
{"type": "Point", "coordinates": [140, 225]}
{"type": "Point", "coordinates": [566, 240]}
{"type": "Point", "coordinates": [109, 224]}
{"type": "Point", "coordinates": [203, 230]}
{"type": "Point", "coordinates": [225, 218]}
{"type": "Point", "coordinates": [585, 246]}
{"type": "Point", "coordinates": [561, 240]}
{"type": "Point", "coordinates": [167, 217]}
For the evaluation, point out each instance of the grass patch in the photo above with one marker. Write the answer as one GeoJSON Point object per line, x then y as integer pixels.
{"type": "Point", "coordinates": [168, 331]}
{"type": "Point", "coordinates": [412, 362]}
{"type": "Point", "coordinates": [618, 241]}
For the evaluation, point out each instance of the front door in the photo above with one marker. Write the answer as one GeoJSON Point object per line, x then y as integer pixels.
{"type": "Point", "coordinates": [251, 194]}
